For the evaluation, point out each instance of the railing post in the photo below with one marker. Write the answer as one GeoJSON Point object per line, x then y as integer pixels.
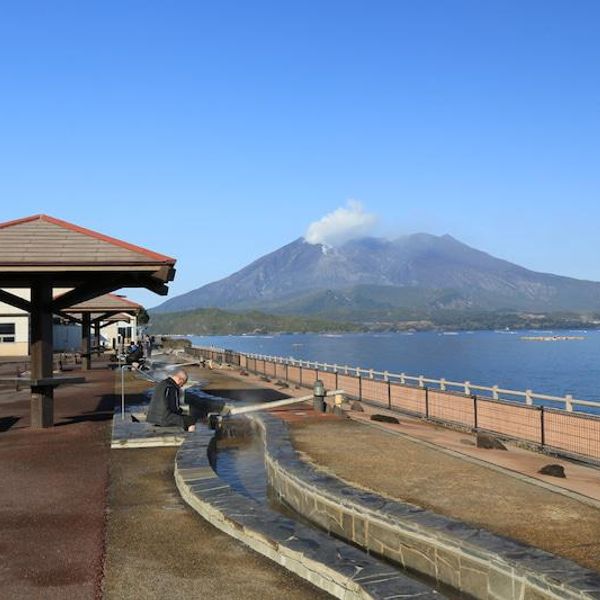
{"type": "Point", "coordinates": [360, 388]}
{"type": "Point", "coordinates": [286, 372]}
{"type": "Point", "coordinates": [569, 402]}
{"type": "Point", "coordinates": [528, 398]}
{"type": "Point", "coordinates": [346, 370]}
{"type": "Point", "coordinates": [426, 402]}
{"type": "Point", "coordinates": [475, 425]}
{"type": "Point", "coordinates": [337, 387]}
{"type": "Point", "coordinates": [542, 427]}
{"type": "Point", "coordinates": [467, 388]}
{"type": "Point", "coordinates": [300, 367]}
{"type": "Point", "coordinates": [371, 375]}
{"type": "Point", "coordinates": [421, 382]}
{"type": "Point", "coordinates": [389, 387]}
{"type": "Point", "coordinates": [402, 378]}
{"type": "Point", "coordinates": [443, 384]}
{"type": "Point", "coordinates": [495, 395]}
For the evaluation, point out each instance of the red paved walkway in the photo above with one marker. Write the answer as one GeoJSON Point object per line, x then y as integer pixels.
{"type": "Point", "coordinates": [53, 493]}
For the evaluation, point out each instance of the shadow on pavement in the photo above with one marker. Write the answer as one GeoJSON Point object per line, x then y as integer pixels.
{"type": "Point", "coordinates": [7, 422]}
{"type": "Point", "coordinates": [102, 412]}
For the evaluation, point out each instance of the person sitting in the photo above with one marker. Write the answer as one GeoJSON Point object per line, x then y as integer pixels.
{"type": "Point", "coordinates": [134, 354]}
{"type": "Point", "coordinates": [165, 409]}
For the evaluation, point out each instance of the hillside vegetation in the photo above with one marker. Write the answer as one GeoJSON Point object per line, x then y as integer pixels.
{"type": "Point", "coordinates": [213, 321]}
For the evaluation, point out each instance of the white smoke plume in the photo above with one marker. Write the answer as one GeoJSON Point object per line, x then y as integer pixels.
{"type": "Point", "coordinates": [341, 225]}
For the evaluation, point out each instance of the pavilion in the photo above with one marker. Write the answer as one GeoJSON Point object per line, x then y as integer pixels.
{"type": "Point", "coordinates": [98, 313]}
{"type": "Point", "coordinates": [42, 254]}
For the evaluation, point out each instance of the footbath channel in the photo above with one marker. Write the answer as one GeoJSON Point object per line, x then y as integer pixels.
{"type": "Point", "coordinates": [239, 460]}
{"type": "Point", "coordinates": [232, 493]}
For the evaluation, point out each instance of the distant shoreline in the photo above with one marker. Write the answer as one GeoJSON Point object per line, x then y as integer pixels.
{"type": "Point", "coordinates": [372, 331]}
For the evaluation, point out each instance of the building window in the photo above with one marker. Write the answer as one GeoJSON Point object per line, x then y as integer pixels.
{"type": "Point", "coordinates": [7, 333]}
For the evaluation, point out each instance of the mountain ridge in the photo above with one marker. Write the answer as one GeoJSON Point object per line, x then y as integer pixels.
{"type": "Point", "coordinates": [414, 271]}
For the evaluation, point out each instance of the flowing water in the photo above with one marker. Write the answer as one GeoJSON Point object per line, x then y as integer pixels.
{"type": "Point", "coordinates": [240, 462]}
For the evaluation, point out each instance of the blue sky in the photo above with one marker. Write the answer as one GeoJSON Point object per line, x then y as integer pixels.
{"type": "Point", "coordinates": [218, 131]}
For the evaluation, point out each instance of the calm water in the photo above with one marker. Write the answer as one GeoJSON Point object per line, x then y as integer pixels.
{"type": "Point", "coordinates": [483, 357]}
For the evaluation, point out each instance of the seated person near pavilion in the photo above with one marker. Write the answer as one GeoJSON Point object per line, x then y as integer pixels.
{"type": "Point", "coordinates": [134, 353]}
{"type": "Point", "coordinates": [165, 409]}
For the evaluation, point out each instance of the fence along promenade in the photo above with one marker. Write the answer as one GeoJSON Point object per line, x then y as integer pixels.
{"type": "Point", "coordinates": [565, 431]}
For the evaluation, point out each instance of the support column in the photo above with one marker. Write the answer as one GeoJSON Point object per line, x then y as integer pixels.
{"type": "Point", "coordinates": [97, 337]}
{"type": "Point", "coordinates": [86, 334]}
{"type": "Point", "coordinates": [42, 397]}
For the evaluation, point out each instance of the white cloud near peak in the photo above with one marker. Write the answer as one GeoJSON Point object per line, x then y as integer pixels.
{"type": "Point", "coordinates": [342, 225]}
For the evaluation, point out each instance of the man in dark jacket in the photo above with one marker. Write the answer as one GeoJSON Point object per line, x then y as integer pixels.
{"type": "Point", "coordinates": [164, 409]}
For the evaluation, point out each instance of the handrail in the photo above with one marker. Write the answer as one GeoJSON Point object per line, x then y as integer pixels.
{"type": "Point", "coordinates": [442, 384]}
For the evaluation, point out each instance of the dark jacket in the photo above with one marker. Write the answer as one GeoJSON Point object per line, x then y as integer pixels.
{"type": "Point", "coordinates": [164, 407]}
{"type": "Point", "coordinates": [135, 354]}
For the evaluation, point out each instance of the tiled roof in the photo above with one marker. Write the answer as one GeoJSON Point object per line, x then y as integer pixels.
{"type": "Point", "coordinates": [105, 303]}
{"type": "Point", "coordinates": [45, 240]}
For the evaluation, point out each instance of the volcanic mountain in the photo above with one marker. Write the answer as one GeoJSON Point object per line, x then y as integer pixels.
{"type": "Point", "coordinates": [371, 275]}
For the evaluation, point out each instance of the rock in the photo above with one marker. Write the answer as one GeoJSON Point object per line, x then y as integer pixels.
{"type": "Point", "coordinates": [281, 384]}
{"type": "Point", "coordinates": [265, 378]}
{"type": "Point", "coordinates": [357, 406]}
{"type": "Point", "coordinates": [244, 373]}
{"type": "Point", "coordinates": [297, 387]}
{"type": "Point", "coordinates": [385, 419]}
{"type": "Point", "coordinates": [489, 442]}
{"type": "Point", "coordinates": [553, 471]}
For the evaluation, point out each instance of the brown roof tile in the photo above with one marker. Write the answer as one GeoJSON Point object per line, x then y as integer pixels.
{"type": "Point", "coordinates": [45, 240]}
{"type": "Point", "coordinates": [105, 303]}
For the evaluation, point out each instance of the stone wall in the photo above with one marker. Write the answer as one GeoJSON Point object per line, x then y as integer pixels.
{"type": "Point", "coordinates": [474, 561]}
{"type": "Point", "coordinates": [332, 565]}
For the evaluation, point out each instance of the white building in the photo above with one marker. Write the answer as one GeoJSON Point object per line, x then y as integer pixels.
{"type": "Point", "coordinates": [117, 328]}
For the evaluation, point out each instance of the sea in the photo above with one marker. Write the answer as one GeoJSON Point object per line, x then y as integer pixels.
{"type": "Point", "coordinates": [505, 358]}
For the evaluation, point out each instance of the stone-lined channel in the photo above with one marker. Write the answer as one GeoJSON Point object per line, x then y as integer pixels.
{"type": "Point", "coordinates": [239, 460]}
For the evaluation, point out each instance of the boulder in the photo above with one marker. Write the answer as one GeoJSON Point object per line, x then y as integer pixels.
{"type": "Point", "coordinates": [244, 373]}
{"type": "Point", "coordinates": [281, 384]}
{"type": "Point", "coordinates": [489, 442]}
{"type": "Point", "coordinates": [553, 471]}
{"type": "Point", "coordinates": [265, 378]}
{"type": "Point", "coordinates": [357, 406]}
{"type": "Point", "coordinates": [385, 419]}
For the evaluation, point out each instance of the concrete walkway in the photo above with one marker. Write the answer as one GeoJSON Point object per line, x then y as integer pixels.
{"type": "Point", "coordinates": [442, 470]}
{"type": "Point", "coordinates": [54, 514]}
{"type": "Point", "coordinates": [52, 497]}
{"type": "Point", "coordinates": [582, 479]}
{"type": "Point", "coordinates": [159, 549]}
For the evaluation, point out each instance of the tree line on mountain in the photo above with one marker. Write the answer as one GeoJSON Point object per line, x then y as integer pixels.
{"type": "Point", "coordinates": [213, 321]}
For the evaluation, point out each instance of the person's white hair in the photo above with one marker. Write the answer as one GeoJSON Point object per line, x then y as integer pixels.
{"type": "Point", "coordinates": [181, 374]}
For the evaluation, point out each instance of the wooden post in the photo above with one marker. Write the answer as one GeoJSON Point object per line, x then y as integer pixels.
{"type": "Point", "coordinates": [86, 333]}
{"type": "Point", "coordinates": [97, 337]}
{"type": "Point", "coordinates": [42, 397]}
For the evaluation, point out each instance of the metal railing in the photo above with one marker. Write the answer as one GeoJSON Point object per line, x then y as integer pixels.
{"type": "Point", "coordinates": [495, 392]}
{"type": "Point", "coordinates": [512, 414]}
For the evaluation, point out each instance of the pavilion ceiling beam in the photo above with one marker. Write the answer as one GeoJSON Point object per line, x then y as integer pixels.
{"type": "Point", "coordinates": [106, 324]}
{"type": "Point", "coordinates": [69, 318]}
{"type": "Point", "coordinates": [158, 287]}
{"type": "Point", "coordinates": [87, 291]}
{"type": "Point", "coordinates": [101, 317]}
{"type": "Point", "coordinates": [165, 273]}
{"type": "Point", "coordinates": [15, 301]}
